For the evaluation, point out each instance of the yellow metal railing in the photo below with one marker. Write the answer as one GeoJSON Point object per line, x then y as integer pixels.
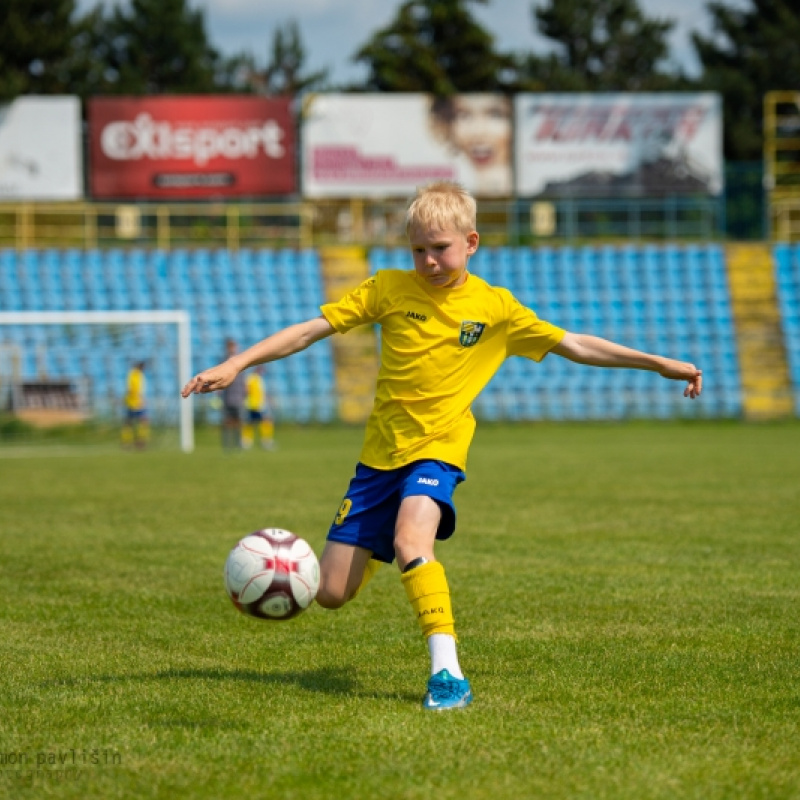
{"type": "Point", "coordinates": [784, 212]}
{"type": "Point", "coordinates": [782, 139]}
{"type": "Point", "coordinates": [353, 221]}
{"type": "Point", "coordinates": [782, 163]}
{"type": "Point", "coordinates": [225, 224]}
{"type": "Point", "coordinates": [167, 226]}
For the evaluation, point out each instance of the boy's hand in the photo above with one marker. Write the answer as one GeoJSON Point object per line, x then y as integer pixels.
{"type": "Point", "coordinates": [683, 371]}
{"type": "Point", "coordinates": [211, 380]}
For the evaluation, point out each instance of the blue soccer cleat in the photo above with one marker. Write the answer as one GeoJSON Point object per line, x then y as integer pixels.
{"type": "Point", "coordinates": [445, 691]}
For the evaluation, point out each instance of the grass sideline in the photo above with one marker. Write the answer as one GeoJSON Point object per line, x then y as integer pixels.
{"type": "Point", "coordinates": [626, 596]}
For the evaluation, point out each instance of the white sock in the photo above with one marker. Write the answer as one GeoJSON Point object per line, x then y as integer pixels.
{"type": "Point", "coordinates": [442, 648]}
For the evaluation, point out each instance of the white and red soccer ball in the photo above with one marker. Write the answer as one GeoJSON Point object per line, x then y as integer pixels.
{"type": "Point", "coordinates": [272, 574]}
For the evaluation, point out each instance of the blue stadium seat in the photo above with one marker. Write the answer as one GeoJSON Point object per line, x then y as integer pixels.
{"type": "Point", "coordinates": [669, 298]}
{"type": "Point", "coordinates": [8, 272]}
{"type": "Point", "coordinates": [782, 254]}
{"type": "Point", "coordinates": [8, 264]}
{"type": "Point", "coordinates": [481, 264]}
{"type": "Point", "coordinates": [378, 259]}
{"type": "Point", "coordinates": [402, 258]}
{"type": "Point", "coordinates": [199, 265]}
{"type": "Point", "coordinates": [177, 265]}
{"type": "Point", "coordinates": [264, 261]}
{"type": "Point", "coordinates": [503, 267]}
{"type": "Point", "coordinates": [28, 271]}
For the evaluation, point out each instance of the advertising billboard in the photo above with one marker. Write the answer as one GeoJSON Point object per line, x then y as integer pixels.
{"type": "Point", "coordinates": [602, 145]}
{"type": "Point", "coordinates": [378, 145]}
{"type": "Point", "coordinates": [190, 147]}
{"type": "Point", "coordinates": [40, 149]}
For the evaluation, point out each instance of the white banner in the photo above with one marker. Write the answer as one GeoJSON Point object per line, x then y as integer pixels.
{"type": "Point", "coordinates": [605, 145]}
{"type": "Point", "coordinates": [40, 149]}
{"type": "Point", "coordinates": [377, 145]}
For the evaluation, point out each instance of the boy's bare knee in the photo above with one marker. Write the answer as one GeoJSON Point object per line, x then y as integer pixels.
{"type": "Point", "coordinates": [341, 571]}
{"type": "Point", "coordinates": [331, 599]}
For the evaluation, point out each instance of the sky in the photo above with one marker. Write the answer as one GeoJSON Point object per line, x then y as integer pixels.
{"type": "Point", "coordinates": [332, 30]}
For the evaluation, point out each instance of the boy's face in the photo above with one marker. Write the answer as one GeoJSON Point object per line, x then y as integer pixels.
{"type": "Point", "coordinates": [441, 256]}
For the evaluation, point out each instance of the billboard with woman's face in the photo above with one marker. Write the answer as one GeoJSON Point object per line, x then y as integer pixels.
{"type": "Point", "coordinates": [375, 145]}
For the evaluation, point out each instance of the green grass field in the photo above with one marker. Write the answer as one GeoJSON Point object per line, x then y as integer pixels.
{"type": "Point", "coordinates": [626, 597]}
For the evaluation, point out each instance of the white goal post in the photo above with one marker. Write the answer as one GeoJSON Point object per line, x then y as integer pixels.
{"type": "Point", "coordinates": [179, 318]}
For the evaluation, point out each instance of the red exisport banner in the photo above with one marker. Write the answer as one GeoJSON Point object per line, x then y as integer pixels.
{"type": "Point", "coordinates": [190, 147]}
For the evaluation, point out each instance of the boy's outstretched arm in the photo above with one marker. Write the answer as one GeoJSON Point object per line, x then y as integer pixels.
{"type": "Point", "coordinates": [585, 349]}
{"type": "Point", "coordinates": [281, 344]}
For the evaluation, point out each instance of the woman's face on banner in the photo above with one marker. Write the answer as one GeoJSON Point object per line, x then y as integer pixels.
{"type": "Point", "coordinates": [481, 128]}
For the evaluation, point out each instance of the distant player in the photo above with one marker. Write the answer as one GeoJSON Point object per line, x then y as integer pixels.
{"type": "Point", "coordinates": [232, 405]}
{"type": "Point", "coordinates": [444, 334]}
{"type": "Point", "coordinates": [136, 428]}
{"type": "Point", "coordinates": [258, 413]}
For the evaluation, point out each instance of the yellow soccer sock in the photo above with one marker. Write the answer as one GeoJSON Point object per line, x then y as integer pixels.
{"type": "Point", "coordinates": [143, 433]}
{"type": "Point", "coordinates": [248, 436]}
{"type": "Point", "coordinates": [429, 595]}
{"type": "Point", "coordinates": [370, 569]}
{"type": "Point", "coordinates": [127, 435]}
{"type": "Point", "coordinates": [267, 430]}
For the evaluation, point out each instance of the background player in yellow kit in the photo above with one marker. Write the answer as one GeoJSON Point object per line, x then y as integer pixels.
{"type": "Point", "coordinates": [444, 334]}
{"type": "Point", "coordinates": [258, 420]}
{"type": "Point", "coordinates": [136, 428]}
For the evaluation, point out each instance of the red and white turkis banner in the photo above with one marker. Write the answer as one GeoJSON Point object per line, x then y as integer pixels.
{"type": "Point", "coordinates": [191, 147]}
{"type": "Point", "coordinates": [606, 145]}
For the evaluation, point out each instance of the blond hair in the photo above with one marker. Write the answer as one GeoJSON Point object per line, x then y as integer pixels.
{"type": "Point", "coordinates": [442, 205]}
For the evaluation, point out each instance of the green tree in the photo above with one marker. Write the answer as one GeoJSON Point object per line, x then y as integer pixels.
{"type": "Point", "coordinates": [159, 47]}
{"type": "Point", "coordinates": [35, 39]}
{"type": "Point", "coordinates": [601, 45]}
{"type": "Point", "coordinates": [434, 46]}
{"type": "Point", "coordinates": [285, 70]}
{"type": "Point", "coordinates": [749, 52]}
{"type": "Point", "coordinates": [86, 68]}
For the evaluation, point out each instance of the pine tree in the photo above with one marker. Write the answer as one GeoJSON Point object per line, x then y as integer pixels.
{"type": "Point", "coordinates": [285, 71]}
{"type": "Point", "coordinates": [35, 39]}
{"type": "Point", "coordinates": [750, 52]}
{"type": "Point", "coordinates": [160, 47]}
{"type": "Point", "coordinates": [434, 46]}
{"type": "Point", "coordinates": [602, 45]}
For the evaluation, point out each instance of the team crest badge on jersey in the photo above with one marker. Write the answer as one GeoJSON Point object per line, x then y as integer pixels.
{"type": "Point", "coordinates": [470, 332]}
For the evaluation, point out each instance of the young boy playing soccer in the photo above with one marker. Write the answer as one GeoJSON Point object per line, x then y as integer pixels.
{"type": "Point", "coordinates": [444, 334]}
{"type": "Point", "coordinates": [136, 428]}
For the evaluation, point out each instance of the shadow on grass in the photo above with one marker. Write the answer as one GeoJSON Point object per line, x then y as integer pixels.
{"type": "Point", "coordinates": [339, 681]}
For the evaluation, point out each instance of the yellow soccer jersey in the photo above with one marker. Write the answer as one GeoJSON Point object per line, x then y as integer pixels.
{"type": "Point", "coordinates": [254, 392]}
{"type": "Point", "coordinates": [137, 387]}
{"type": "Point", "coordinates": [439, 348]}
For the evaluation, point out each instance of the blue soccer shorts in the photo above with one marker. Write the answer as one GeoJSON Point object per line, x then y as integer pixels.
{"type": "Point", "coordinates": [367, 515]}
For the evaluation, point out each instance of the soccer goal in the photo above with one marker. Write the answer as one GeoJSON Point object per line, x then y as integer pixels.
{"type": "Point", "coordinates": [58, 367]}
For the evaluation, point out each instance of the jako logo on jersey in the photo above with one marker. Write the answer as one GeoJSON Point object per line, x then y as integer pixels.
{"type": "Point", "coordinates": [428, 481]}
{"type": "Point", "coordinates": [470, 332]}
{"type": "Point", "coordinates": [416, 315]}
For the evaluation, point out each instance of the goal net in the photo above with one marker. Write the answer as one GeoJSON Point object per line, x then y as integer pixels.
{"type": "Point", "coordinates": [68, 370]}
